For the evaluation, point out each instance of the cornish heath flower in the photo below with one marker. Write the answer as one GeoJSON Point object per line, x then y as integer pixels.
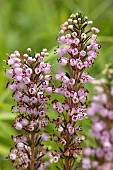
{"type": "Point", "coordinates": [78, 51]}
{"type": "Point", "coordinates": [101, 113]}
{"type": "Point", "coordinates": [30, 79]}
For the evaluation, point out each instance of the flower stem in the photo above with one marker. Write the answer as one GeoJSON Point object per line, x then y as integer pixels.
{"type": "Point", "coordinates": [32, 152]}
{"type": "Point", "coordinates": [67, 164]}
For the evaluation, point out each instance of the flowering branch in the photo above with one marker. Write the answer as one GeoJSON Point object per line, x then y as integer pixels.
{"type": "Point", "coordinates": [78, 51]}
{"type": "Point", "coordinates": [30, 88]}
{"type": "Point", "coordinates": [101, 112]}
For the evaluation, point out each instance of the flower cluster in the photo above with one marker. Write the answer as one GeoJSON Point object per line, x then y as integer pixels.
{"type": "Point", "coordinates": [30, 79]}
{"type": "Point", "coordinates": [101, 112]}
{"type": "Point", "coordinates": [31, 90]}
{"type": "Point", "coordinates": [78, 51]}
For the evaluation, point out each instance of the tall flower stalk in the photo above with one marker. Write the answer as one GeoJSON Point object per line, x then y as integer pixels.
{"type": "Point", "coordinates": [101, 113]}
{"type": "Point", "coordinates": [30, 88]}
{"type": "Point", "coordinates": [78, 51]}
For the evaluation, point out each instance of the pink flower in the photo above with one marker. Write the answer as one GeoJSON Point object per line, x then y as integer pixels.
{"type": "Point", "coordinates": [82, 53]}
{"type": "Point", "coordinates": [72, 62]}
{"type": "Point", "coordinates": [48, 90]}
{"type": "Point", "coordinates": [18, 126]}
{"type": "Point", "coordinates": [12, 156]}
{"type": "Point", "coordinates": [37, 70]}
{"type": "Point", "coordinates": [63, 61]}
{"type": "Point", "coordinates": [10, 73]}
{"type": "Point", "coordinates": [24, 122]}
{"type": "Point", "coordinates": [62, 40]}
{"type": "Point", "coordinates": [62, 51]}
{"type": "Point", "coordinates": [83, 35]}
{"type": "Point", "coordinates": [45, 138]}
{"type": "Point", "coordinates": [11, 61]}
{"type": "Point", "coordinates": [13, 87]}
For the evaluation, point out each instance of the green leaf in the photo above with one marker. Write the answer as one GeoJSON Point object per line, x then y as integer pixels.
{"type": "Point", "coordinates": [58, 168]}
{"type": "Point", "coordinates": [38, 141]}
{"type": "Point", "coordinates": [67, 74]}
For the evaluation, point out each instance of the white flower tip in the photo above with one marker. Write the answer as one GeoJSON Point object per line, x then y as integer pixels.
{"type": "Point", "coordinates": [75, 21]}
{"type": "Point", "coordinates": [29, 50]}
{"type": "Point", "coordinates": [25, 55]}
{"type": "Point", "coordinates": [70, 20]}
{"type": "Point", "coordinates": [44, 50]}
{"type": "Point", "coordinates": [70, 26]}
{"type": "Point", "coordinates": [94, 29]}
{"type": "Point", "coordinates": [72, 16]}
{"type": "Point", "coordinates": [90, 22]}
{"type": "Point", "coordinates": [86, 17]}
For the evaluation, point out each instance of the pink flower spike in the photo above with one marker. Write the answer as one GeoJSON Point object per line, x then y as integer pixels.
{"type": "Point", "coordinates": [31, 90]}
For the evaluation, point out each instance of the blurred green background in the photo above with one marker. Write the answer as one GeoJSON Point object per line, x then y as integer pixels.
{"type": "Point", "coordinates": [35, 24]}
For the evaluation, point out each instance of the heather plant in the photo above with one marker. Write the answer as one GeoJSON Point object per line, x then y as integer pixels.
{"type": "Point", "coordinates": [101, 113]}
{"type": "Point", "coordinates": [78, 51]}
{"type": "Point", "coordinates": [30, 88]}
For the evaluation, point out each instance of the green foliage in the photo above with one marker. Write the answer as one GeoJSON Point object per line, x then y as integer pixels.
{"type": "Point", "coordinates": [35, 24]}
